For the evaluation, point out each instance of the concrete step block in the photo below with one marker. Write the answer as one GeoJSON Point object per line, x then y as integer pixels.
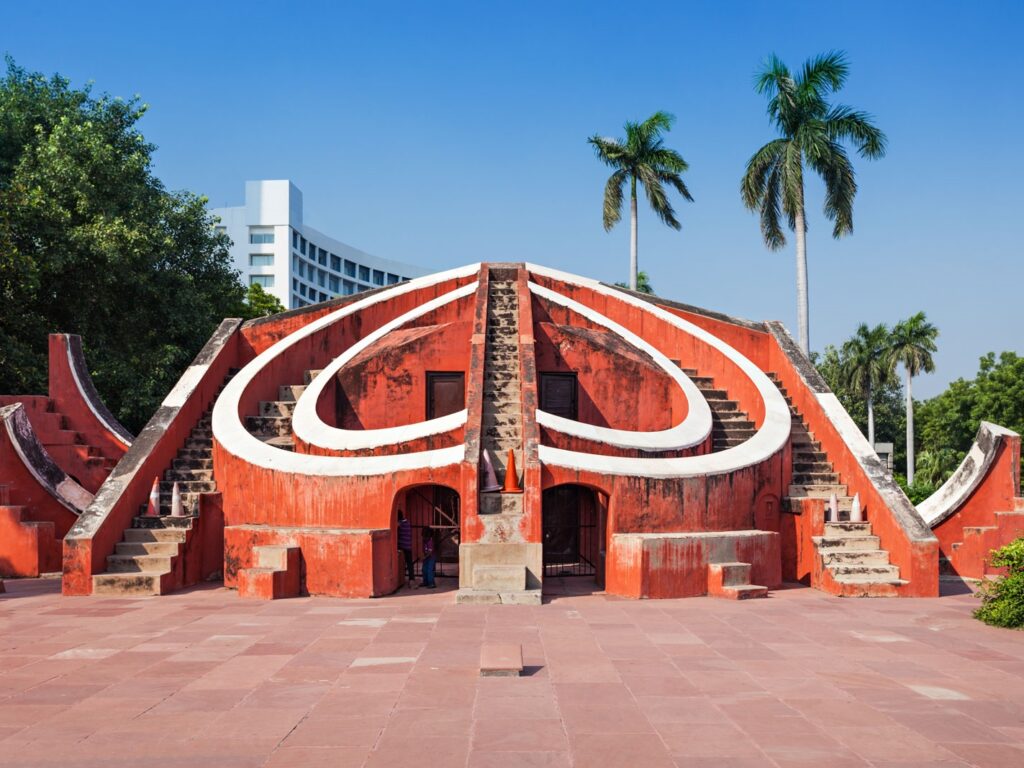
{"type": "Point", "coordinates": [501, 660]}
{"type": "Point", "coordinates": [499, 578]}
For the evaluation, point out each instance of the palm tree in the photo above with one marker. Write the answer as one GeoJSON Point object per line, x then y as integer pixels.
{"type": "Point", "coordinates": [867, 367]}
{"type": "Point", "coordinates": [812, 132]}
{"type": "Point", "coordinates": [642, 157]}
{"type": "Point", "coordinates": [912, 344]}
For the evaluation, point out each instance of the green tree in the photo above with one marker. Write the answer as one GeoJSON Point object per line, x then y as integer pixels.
{"type": "Point", "coordinates": [812, 132]}
{"type": "Point", "coordinates": [912, 343]}
{"type": "Point", "coordinates": [92, 243]}
{"type": "Point", "coordinates": [867, 367]}
{"type": "Point", "coordinates": [641, 157]}
{"type": "Point", "coordinates": [259, 303]}
{"type": "Point", "coordinates": [643, 283]}
{"type": "Point", "coordinates": [887, 402]}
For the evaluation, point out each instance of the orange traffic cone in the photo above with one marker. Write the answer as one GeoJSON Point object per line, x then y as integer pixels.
{"type": "Point", "coordinates": [490, 479]}
{"type": "Point", "coordinates": [153, 507]}
{"type": "Point", "coordinates": [511, 476]}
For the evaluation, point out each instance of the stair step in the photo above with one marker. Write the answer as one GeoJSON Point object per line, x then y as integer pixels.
{"type": "Point", "coordinates": [829, 543]}
{"type": "Point", "coordinates": [155, 535]}
{"type": "Point", "coordinates": [848, 528]}
{"type": "Point", "coordinates": [138, 563]}
{"type": "Point", "coordinates": [133, 548]}
{"type": "Point", "coordinates": [309, 375]}
{"type": "Point", "coordinates": [290, 392]}
{"type": "Point", "coordinates": [833, 556]}
{"type": "Point", "coordinates": [277, 408]}
{"type": "Point", "coordinates": [126, 583]}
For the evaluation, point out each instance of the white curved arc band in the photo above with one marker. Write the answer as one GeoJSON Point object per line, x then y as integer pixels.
{"type": "Point", "coordinates": [232, 435]}
{"type": "Point", "coordinates": [311, 429]}
{"type": "Point", "coordinates": [692, 430]}
{"type": "Point", "coordinates": [769, 439]}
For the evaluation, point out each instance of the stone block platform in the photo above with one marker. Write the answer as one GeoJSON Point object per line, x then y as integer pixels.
{"type": "Point", "coordinates": [202, 678]}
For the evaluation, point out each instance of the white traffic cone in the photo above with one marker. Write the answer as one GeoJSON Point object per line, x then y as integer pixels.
{"type": "Point", "coordinates": [176, 510]}
{"type": "Point", "coordinates": [856, 513]}
{"type": "Point", "coordinates": [153, 507]}
{"type": "Point", "coordinates": [490, 479]}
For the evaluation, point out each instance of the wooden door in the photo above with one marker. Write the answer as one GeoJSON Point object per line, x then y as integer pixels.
{"type": "Point", "coordinates": [446, 393]}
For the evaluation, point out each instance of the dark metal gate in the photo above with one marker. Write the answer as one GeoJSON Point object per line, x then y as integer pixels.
{"type": "Point", "coordinates": [438, 507]}
{"type": "Point", "coordinates": [571, 537]}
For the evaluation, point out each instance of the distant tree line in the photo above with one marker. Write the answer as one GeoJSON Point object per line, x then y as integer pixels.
{"type": "Point", "coordinates": [91, 243]}
{"type": "Point", "coordinates": [944, 426]}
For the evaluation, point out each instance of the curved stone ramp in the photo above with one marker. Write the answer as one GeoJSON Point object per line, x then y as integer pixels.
{"type": "Point", "coordinates": [39, 502]}
{"type": "Point", "coordinates": [978, 508]}
{"type": "Point", "coordinates": [72, 390]}
{"type": "Point", "coordinates": [232, 435]}
{"type": "Point", "coordinates": [769, 439]}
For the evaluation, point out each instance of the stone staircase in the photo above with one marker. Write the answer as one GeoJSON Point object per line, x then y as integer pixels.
{"type": "Point", "coordinates": [36, 539]}
{"type": "Point", "coordinates": [979, 541]}
{"type": "Point", "coordinates": [273, 425]}
{"type": "Point", "coordinates": [499, 570]}
{"type": "Point", "coordinates": [856, 562]}
{"type": "Point", "coordinates": [147, 561]}
{"type": "Point", "coordinates": [276, 574]}
{"type": "Point", "coordinates": [502, 427]}
{"type": "Point", "coordinates": [729, 425]}
{"type": "Point", "coordinates": [849, 551]}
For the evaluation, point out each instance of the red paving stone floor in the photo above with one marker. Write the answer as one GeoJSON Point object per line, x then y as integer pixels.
{"type": "Point", "coordinates": [202, 678]}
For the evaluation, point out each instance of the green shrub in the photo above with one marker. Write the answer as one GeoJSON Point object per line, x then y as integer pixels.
{"type": "Point", "coordinates": [1002, 600]}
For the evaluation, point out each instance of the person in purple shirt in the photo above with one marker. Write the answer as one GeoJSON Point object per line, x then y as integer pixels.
{"type": "Point", "coordinates": [405, 545]}
{"type": "Point", "coordinates": [429, 560]}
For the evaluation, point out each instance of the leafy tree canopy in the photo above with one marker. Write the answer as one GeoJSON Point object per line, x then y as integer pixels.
{"type": "Point", "coordinates": [91, 243]}
{"type": "Point", "coordinates": [643, 283]}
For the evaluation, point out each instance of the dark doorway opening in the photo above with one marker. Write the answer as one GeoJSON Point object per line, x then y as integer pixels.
{"type": "Point", "coordinates": [438, 507]}
{"type": "Point", "coordinates": [558, 394]}
{"type": "Point", "coordinates": [446, 393]}
{"type": "Point", "coordinates": [573, 529]}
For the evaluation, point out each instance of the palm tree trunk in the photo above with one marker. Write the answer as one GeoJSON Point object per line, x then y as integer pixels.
{"type": "Point", "coordinates": [910, 433]}
{"type": "Point", "coordinates": [871, 418]}
{"type": "Point", "coordinates": [632, 236]}
{"type": "Point", "coordinates": [801, 282]}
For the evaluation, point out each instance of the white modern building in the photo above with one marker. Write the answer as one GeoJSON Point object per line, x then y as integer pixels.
{"type": "Point", "coordinates": [298, 264]}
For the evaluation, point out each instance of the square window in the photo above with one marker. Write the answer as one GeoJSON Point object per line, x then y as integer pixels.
{"type": "Point", "coordinates": [323, 257]}
{"type": "Point", "coordinates": [302, 289]}
{"type": "Point", "coordinates": [378, 277]}
{"type": "Point", "coordinates": [321, 278]}
{"type": "Point", "coordinates": [392, 279]}
{"type": "Point", "coordinates": [364, 274]}
{"type": "Point", "coordinates": [332, 281]}
{"type": "Point", "coordinates": [350, 268]}
{"type": "Point", "coordinates": [348, 287]}
{"type": "Point", "coordinates": [335, 263]}
{"type": "Point", "coordinates": [302, 269]}
{"type": "Point", "coordinates": [261, 259]}
{"type": "Point", "coordinates": [323, 297]}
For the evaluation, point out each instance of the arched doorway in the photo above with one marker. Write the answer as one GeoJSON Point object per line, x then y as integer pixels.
{"type": "Point", "coordinates": [574, 531]}
{"type": "Point", "coordinates": [439, 507]}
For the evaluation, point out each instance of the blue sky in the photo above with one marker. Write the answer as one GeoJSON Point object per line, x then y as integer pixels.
{"type": "Point", "coordinates": [442, 133]}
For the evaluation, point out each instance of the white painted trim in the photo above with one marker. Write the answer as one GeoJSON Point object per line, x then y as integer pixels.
{"type": "Point", "coordinates": [310, 428]}
{"type": "Point", "coordinates": [691, 431]}
{"type": "Point", "coordinates": [769, 439]}
{"type": "Point", "coordinates": [952, 494]}
{"type": "Point", "coordinates": [236, 439]}
{"type": "Point", "coordinates": [88, 400]}
{"type": "Point", "coordinates": [67, 492]}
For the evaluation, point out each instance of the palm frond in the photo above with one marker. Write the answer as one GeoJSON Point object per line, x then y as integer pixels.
{"type": "Point", "coordinates": [825, 72]}
{"type": "Point", "coordinates": [771, 210]}
{"type": "Point", "coordinates": [674, 181]}
{"type": "Point", "coordinates": [759, 166]}
{"type": "Point", "coordinates": [845, 123]}
{"type": "Point", "coordinates": [656, 196]}
{"type": "Point", "coordinates": [836, 171]}
{"type": "Point", "coordinates": [609, 151]}
{"type": "Point", "coordinates": [613, 198]}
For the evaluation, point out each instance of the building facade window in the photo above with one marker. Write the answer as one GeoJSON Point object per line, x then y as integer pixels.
{"type": "Point", "coordinates": [392, 279]}
{"type": "Point", "coordinates": [348, 287]}
{"type": "Point", "coordinates": [323, 257]}
{"type": "Point", "coordinates": [261, 259]}
{"type": "Point", "coordinates": [350, 268]}
{"type": "Point", "coordinates": [335, 263]}
{"type": "Point", "coordinates": [302, 246]}
{"type": "Point", "coordinates": [333, 283]}
{"type": "Point", "coordinates": [321, 278]}
{"type": "Point", "coordinates": [258, 237]}
{"type": "Point", "coordinates": [378, 277]}
{"type": "Point", "coordinates": [364, 273]}
{"type": "Point", "coordinates": [302, 269]}
{"type": "Point", "coordinates": [295, 240]}
{"type": "Point", "coordinates": [267, 281]}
